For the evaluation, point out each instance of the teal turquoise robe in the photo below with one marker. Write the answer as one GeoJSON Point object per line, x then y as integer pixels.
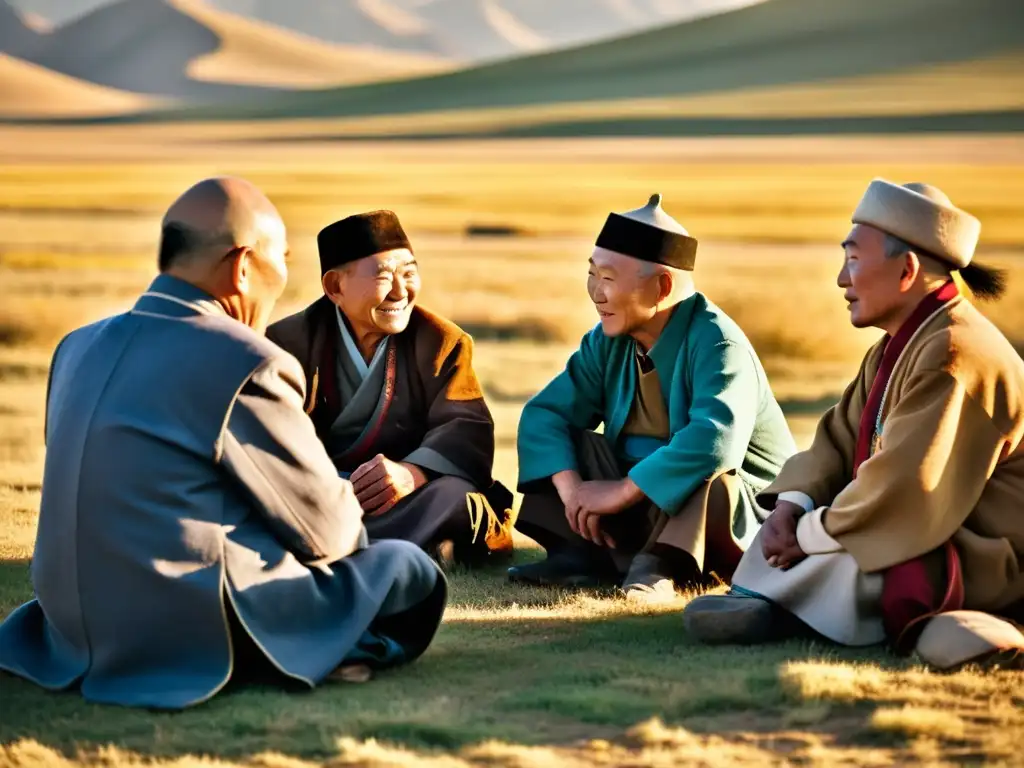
{"type": "Point", "coordinates": [723, 415]}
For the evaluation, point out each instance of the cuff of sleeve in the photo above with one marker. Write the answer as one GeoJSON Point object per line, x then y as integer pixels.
{"type": "Point", "coordinates": [799, 498]}
{"type": "Point", "coordinates": [429, 459]}
{"type": "Point", "coordinates": [646, 478]}
{"type": "Point", "coordinates": [812, 536]}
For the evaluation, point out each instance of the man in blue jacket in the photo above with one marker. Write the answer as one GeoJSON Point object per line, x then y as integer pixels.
{"type": "Point", "coordinates": [193, 528]}
{"type": "Point", "coordinates": [691, 432]}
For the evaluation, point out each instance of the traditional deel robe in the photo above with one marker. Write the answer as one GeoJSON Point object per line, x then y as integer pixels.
{"type": "Point", "coordinates": [185, 492]}
{"type": "Point", "coordinates": [914, 486]}
{"type": "Point", "coordinates": [418, 400]}
{"type": "Point", "coordinates": [722, 419]}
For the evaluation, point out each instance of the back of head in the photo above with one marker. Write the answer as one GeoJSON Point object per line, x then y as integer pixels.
{"type": "Point", "coordinates": [213, 216]}
{"type": "Point", "coordinates": [224, 236]}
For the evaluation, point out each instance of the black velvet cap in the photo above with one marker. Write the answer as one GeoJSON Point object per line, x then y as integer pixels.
{"type": "Point", "coordinates": [649, 234]}
{"type": "Point", "coordinates": [359, 236]}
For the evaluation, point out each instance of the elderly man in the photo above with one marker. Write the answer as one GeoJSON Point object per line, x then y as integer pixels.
{"type": "Point", "coordinates": [394, 397]}
{"type": "Point", "coordinates": [192, 526]}
{"type": "Point", "coordinates": [909, 504]}
{"type": "Point", "coordinates": [691, 429]}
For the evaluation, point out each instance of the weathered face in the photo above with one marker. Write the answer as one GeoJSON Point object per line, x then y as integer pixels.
{"type": "Point", "coordinates": [625, 291]}
{"type": "Point", "coordinates": [871, 282]}
{"type": "Point", "coordinates": [377, 293]}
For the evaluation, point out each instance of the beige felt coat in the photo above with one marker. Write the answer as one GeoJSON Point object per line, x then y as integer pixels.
{"type": "Point", "coordinates": [949, 463]}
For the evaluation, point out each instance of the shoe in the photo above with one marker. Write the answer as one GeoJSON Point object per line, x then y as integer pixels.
{"type": "Point", "coordinates": [444, 554]}
{"type": "Point", "coordinates": [648, 579]}
{"type": "Point", "coordinates": [732, 619]}
{"type": "Point", "coordinates": [952, 640]}
{"type": "Point", "coordinates": [351, 673]}
{"type": "Point", "coordinates": [564, 569]}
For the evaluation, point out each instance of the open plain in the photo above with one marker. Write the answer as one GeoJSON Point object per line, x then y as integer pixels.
{"type": "Point", "coordinates": [517, 677]}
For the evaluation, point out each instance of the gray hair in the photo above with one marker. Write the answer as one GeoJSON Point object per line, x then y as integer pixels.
{"type": "Point", "coordinates": [986, 283]}
{"type": "Point", "coordinates": [894, 247]}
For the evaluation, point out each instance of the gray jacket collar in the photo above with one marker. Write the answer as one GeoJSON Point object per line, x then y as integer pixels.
{"type": "Point", "coordinates": [172, 297]}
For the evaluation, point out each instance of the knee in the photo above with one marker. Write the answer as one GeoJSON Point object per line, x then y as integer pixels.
{"type": "Point", "coordinates": [415, 572]}
{"type": "Point", "coordinates": [450, 484]}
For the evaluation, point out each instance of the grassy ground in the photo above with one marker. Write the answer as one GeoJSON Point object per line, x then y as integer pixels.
{"type": "Point", "coordinates": [517, 677]}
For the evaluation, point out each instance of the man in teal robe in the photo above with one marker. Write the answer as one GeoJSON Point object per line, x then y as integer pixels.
{"type": "Point", "coordinates": [692, 431]}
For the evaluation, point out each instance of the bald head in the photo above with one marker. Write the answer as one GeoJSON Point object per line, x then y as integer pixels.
{"type": "Point", "coordinates": [225, 237]}
{"type": "Point", "coordinates": [215, 216]}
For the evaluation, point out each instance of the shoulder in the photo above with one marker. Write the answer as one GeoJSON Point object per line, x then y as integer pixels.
{"type": "Point", "coordinates": [432, 327]}
{"type": "Point", "coordinates": [228, 343]}
{"type": "Point", "coordinates": [711, 325]}
{"type": "Point", "coordinates": [967, 346]}
{"type": "Point", "coordinates": [963, 341]}
{"type": "Point", "coordinates": [294, 332]}
{"type": "Point", "coordinates": [436, 337]}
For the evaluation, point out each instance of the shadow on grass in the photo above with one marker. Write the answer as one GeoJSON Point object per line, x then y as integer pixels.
{"type": "Point", "coordinates": [520, 665]}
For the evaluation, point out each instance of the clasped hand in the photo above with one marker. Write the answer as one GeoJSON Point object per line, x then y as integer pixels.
{"type": "Point", "coordinates": [778, 537]}
{"type": "Point", "coordinates": [587, 502]}
{"type": "Point", "coordinates": [381, 483]}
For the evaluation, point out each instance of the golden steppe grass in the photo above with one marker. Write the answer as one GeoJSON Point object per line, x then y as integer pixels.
{"type": "Point", "coordinates": [517, 677]}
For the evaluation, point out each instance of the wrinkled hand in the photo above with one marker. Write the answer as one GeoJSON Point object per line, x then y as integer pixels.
{"type": "Point", "coordinates": [778, 536]}
{"type": "Point", "coordinates": [381, 483]}
{"type": "Point", "coordinates": [593, 500]}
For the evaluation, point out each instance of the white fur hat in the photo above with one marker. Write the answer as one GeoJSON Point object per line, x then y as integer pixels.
{"type": "Point", "coordinates": [923, 216]}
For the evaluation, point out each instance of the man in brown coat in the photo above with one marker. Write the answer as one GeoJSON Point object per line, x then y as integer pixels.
{"type": "Point", "coordinates": [904, 521]}
{"type": "Point", "coordinates": [394, 398]}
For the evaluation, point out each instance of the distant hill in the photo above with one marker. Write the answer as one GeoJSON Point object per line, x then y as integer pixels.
{"type": "Point", "coordinates": [29, 90]}
{"type": "Point", "coordinates": [16, 36]}
{"type": "Point", "coordinates": [59, 12]}
{"type": "Point", "coordinates": [467, 30]}
{"type": "Point", "coordinates": [472, 30]}
{"type": "Point", "coordinates": [374, 23]}
{"type": "Point", "coordinates": [777, 43]}
{"type": "Point", "coordinates": [188, 50]}
{"type": "Point", "coordinates": [255, 53]}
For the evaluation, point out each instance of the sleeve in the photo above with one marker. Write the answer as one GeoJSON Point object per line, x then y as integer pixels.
{"type": "Point", "coordinates": [572, 400]}
{"type": "Point", "coordinates": [826, 467]}
{"type": "Point", "coordinates": [938, 448]}
{"type": "Point", "coordinates": [801, 499]}
{"type": "Point", "coordinates": [269, 447]}
{"type": "Point", "coordinates": [722, 414]}
{"type": "Point", "coordinates": [459, 437]}
{"type": "Point", "coordinates": [49, 385]}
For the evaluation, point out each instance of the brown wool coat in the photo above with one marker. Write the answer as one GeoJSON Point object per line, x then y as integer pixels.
{"type": "Point", "coordinates": [950, 464]}
{"type": "Point", "coordinates": [437, 400]}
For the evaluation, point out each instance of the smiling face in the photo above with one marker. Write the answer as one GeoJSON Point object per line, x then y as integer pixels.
{"type": "Point", "coordinates": [626, 292]}
{"type": "Point", "coordinates": [377, 293]}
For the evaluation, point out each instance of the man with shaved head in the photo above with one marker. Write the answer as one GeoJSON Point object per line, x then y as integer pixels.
{"type": "Point", "coordinates": [692, 431]}
{"type": "Point", "coordinates": [192, 526]}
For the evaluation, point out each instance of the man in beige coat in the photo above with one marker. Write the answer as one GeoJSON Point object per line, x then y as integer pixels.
{"type": "Point", "coordinates": [904, 521]}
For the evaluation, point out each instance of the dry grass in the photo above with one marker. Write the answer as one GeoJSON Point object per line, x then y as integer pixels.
{"type": "Point", "coordinates": [517, 677]}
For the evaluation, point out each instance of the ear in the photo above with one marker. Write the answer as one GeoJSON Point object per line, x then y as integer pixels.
{"type": "Point", "coordinates": [664, 286]}
{"type": "Point", "coordinates": [332, 284]}
{"type": "Point", "coordinates": [241, 269]}
{"type": "Point", "coordinates": [911, 271]}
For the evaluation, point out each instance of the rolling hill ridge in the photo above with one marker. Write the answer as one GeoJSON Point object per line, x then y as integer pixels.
{"type": "Point", "coordinates": [777, 43]}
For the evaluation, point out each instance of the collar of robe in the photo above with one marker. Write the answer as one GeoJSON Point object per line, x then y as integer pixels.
{"type": "Point", "coordinates": [870, 423]}
{"type": "Point", "coordinates": [666, 347]}
{"type": "Point", "coordinates": [169, 296]}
